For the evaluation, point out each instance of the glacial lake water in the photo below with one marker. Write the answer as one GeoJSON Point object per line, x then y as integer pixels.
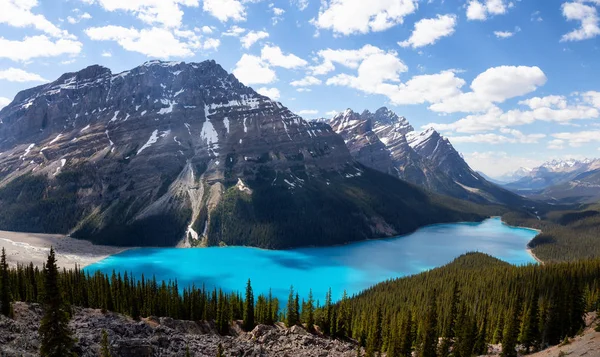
{"type": "Point", "coordinates": [351, 267]}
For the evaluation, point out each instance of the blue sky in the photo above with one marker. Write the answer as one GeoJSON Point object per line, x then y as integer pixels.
{"type": "Point", "coordinates": [511, 82]}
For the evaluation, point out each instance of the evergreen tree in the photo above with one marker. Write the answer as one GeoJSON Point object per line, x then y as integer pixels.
{"type": "Point", "coordinates": [449, 331]}
{"type": "Point", "coordinates": [407, 336]}
{"type": "Point", "coordinates": [481, 347]}
{"type": "Point", "coordinates": [310, 312]}
{"type": "Point", "coordinates": [105, 345]}
{"type": "Point", "coordinates": [466, 333]}
{"type": "Point", "coordinates": [5, 295]}
{"type": "Point", "coordinates": [297, 309]}
{"type": "Point", "coordinates": [511, 332]}
{"type": "Point", "coordinates": [429, 338]}
{"type": "Point", "coordinates": [56, 340]}
{"type": "Point", "coordinates": [291, 309]}
{"type": "Point", "coordinates": [530, 329]}
{"type": "Point", "coordinates": [326, 324]}
{"type": "Point", "coordinates": [249, 308]}
{"type": "Point", "coordinates": [187, 351]}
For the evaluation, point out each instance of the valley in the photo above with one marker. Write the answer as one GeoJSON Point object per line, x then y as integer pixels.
{"type": "Point", "coordinates": [355, 233]}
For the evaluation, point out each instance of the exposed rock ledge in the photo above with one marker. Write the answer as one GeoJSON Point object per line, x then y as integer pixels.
{"type": "Point", "coordinates": [163, 337]}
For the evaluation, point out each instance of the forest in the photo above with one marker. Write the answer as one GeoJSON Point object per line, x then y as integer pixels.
{"type": "Point", "coordinates": [567, 234]}
{"type": "Point", "coordinates": [474, 301]}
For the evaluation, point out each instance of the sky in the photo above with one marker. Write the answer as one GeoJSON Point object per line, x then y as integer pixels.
{"type": "Point", "coordinates": [512, 83]}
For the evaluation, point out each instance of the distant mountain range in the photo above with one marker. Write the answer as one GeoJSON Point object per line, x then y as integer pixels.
{"type": "Point", "coordinates": [388, 143]}
{"type": "Point", "coordinates": [183, 153]}
{"type": "Point", "coordinates": [563, 181]}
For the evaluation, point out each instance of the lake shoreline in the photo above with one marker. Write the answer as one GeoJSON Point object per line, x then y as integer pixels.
{"type": "Point", "coordinates": [25, 248]}
{"type": "Point", "coordinates": [529, 250]}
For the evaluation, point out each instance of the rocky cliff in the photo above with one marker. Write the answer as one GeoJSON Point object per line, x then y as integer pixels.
{"type": "Point", "coordinates": [173, 152]}
{"type": "Point", "coordinates": [388, 143]}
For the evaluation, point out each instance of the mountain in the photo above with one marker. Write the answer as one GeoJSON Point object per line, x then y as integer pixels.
{"type": "Point", "coordinates": [512, 176]}
{"type": "Point", "coordinates": [388, 143]}
{"type": "Point", "coordinates": [174, 152]}
{"type": "Point", "coordinates": [551, 173]}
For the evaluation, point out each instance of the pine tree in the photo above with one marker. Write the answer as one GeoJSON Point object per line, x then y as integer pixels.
{"type": "Point", "coordinates": [481, 347]}
{"type": "Point", "coordinates": [449, 332]}
{"type": "Point", "coordinates": [407, 336]}
{"type": "Point", "coordinates": [249, 308]}
{"type": "Point", "coordinates": [511, 332]}
{"type": "Point", "coordinates": [310, 312]}
{"type": "Point", "coordinates": [530, 329]}
{"type": "Point", "coordinates": [429, 336]}
{"type": "Point", "coordinates": [326, 324]}
{"type": "Point", "coordinates": [187, 351]}
{"type": "Point", "coordinates": [56, 340]}
{"type": "Point", "coordinates": [5, 296]}
{"type": "Point", "coordinates": [291, 309]}
{"type": "Point", "coordinates": [297, 309]}
{"type": "Point", "coordinates": [105, 345]}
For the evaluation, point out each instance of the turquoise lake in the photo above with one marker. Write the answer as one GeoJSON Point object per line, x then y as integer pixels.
{"type": "Point", "coordinates": [351, 267]}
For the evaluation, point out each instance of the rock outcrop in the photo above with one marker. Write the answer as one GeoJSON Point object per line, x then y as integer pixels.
{"type": "Point", "coordinates": [164, 337]}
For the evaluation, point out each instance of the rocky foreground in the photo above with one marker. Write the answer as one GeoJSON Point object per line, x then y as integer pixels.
{"type": "Point", "coordinates": [163, 337]}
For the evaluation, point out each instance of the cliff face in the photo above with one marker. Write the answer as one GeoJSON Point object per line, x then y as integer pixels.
{"type": "Point", "coordinates": [170, 152]}
{"type": "Point", "coordinates": [388, 143]}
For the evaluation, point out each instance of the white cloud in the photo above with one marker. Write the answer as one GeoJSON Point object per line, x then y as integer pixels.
{"type": "Point", "coordinates": [577, 139]}
{"type": "Point", "coordinates": [592, 97]}
{"type": "Point", "coordinates": [306, 81]}
{"type": "Point", "coordinates": [225, 9]}
{"type": "Point", "coordinates": [506, 34]}
{"type": "Point", "coordinates": [556, 144]}
{"type": "Point", "coordinates": [19, 75]}
{"type": "Point", "coordinates": [587, 15]}
{"type": "Point", "coordinates": [378, 72]}
{"type": "Point", "coordinates": [165, 12]}
{"type": "Point", "coordinates": [480, 10]}
{"type": "Point", "coordinates": [277, 11]}
{"type": "Point", "coordinates": [307, 112]}
{"type": "Point", "coordinates": [272, 93]}
{"type": "Point", "coordinates": [37, 46]}
{"type": "Point", "coordinates": [154, 42]}
{"type": "Point", "coordinates": [510, 136]}
{"type": "Point", "coordinates": [234, 31]}
{"type": "Point", "coordinates": [347, 58]}
{"type": "Point", "coordinates": [4, 102]}
{"type": "Point", "coordinates": [17, 13]}
{"type": "Point", "coordinates": [274, 56]}
{"type": "Point", "coordinates": [301, 4]}
{"type": "Point", "coordinates": [78, 17]}
{"type": "Point", "coordinates": [501, 83]}
{"type": "Point", "coordinates": [548, 109]}
{"type": "Point", "coordinates": [303, 90]}
{"type": "Point", "coordinates": [252, 37]}
{"type": "Point", "coordinates": [498, 163]}
{"type": "Point", "coordinates": [211, 44]}
{"type": "Point", "coordinates": [348, 17]}
{"type": "Point", "coordinates": [495, 85]}
{"type": "Point", "coordinates": [332, 113]}
{"type": "Point", "coordinates": [207, 30]}
{"type": "Point", "coordinates": [106, 54]}
{"type": "Point", "coordinates": [550, 101]}
{"type": "Point", "coordinates": [428, 31]}
{"type": "Point", "coordinates": [253, 70]}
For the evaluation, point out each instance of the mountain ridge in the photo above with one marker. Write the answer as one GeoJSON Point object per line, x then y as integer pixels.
{"type": "Point", "coordinates": [169, 150]}
{"type": "Point", "coordinates": [388, 143]}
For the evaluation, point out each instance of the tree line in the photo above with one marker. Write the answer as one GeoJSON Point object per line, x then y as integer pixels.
{"type": "Point", "coordinates": [455, 310]}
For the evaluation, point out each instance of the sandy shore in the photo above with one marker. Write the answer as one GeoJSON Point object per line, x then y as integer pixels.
{"type": "Point", "coordinates": [25, 248]}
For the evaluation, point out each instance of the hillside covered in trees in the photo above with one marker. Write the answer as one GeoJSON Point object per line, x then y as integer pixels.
{"type": "Point", "coordinates": [567, 233]}
{"type": "Point", "coordinates": [472, 302]}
